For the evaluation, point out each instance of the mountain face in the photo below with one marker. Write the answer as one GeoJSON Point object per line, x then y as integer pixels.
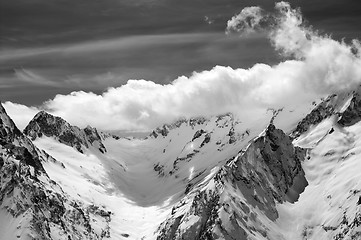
{"type": "Point", "coordinates": [253, 182]}
{"type": "Point", "coordinates": [353, 112]}
{"type": "Point", "coordinates": [51, 126]}
{"type": "Point", "coordinates": [292, 174]}
{"type": "Point", "coordinates": [32, 206]}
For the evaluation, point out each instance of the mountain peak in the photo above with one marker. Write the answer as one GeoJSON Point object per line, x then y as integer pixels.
{"type": "Point", "coordinates": [352, 114]}
{"type": "Point", "coordinates": [46, 124]}
{"type": "Point", "coordinates": [49, 125]}
{"type": "Point", "coordinates": [252, 184]}
{"type": "Point", "coordinates": [8, 130]}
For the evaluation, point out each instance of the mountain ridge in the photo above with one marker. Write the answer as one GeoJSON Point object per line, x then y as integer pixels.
{"type": "Point", "coordinates": [216, 178]}
{"type": "Point", "coordinates": [46, 124]}
{"type": "Point", "coordinates": [33, 205]}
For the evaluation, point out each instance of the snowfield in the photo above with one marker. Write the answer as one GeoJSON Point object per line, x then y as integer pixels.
{"type": "Point", "coordinates": [193, 179]}
{"type": "Point", "coordinates": [332, 199]}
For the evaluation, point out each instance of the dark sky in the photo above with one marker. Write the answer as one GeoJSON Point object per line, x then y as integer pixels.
{"type": "Point", "coordinates": [58, 46]}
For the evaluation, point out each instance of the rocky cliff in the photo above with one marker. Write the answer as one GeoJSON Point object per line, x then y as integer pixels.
{"type": "Point", "coordinates": [232, 205]}
{"type": "Point", "coordinates": [34, 205]}
{"type": "Point", "coordinates": [51, 126]}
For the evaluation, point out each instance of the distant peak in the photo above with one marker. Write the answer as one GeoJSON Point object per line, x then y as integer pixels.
{"type": "Point", "coordinates": [192, 122]}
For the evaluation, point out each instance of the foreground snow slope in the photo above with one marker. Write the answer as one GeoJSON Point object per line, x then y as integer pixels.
{"type": "Point", "coordinates": [330, 207]}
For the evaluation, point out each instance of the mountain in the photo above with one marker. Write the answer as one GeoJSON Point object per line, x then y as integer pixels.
{"type": "Point", "coordinates": [289, 174]}
{"type": "Point", "coordinates": [32, 206]}
{"type": "Point", "coordinates": [267, 172]}
{"type": "Point", "coordinates": [51, 126]}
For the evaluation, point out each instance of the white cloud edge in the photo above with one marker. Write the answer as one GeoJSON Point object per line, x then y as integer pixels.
{"type": "Point", "coordinates": [321, 66]}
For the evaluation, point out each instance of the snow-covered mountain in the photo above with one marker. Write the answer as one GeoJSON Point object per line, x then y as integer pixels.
{"type": "Point", "coordinates": [288, 174]}
{"type": "Point", "coordinates": [33, 206]}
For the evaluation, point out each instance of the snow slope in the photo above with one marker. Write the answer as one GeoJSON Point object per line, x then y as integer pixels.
{"type": "Point", "coordinates": [139, 180]}
{"type": "Point", "coordinates": [330, 207]}
{"type": "Point", "coordinates": [217, 178]}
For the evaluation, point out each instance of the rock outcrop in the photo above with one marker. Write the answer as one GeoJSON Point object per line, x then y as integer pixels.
{"type": "Point", "coordinates": [322, 111]}
{"type": "Point", "coordinates": [231, 204]}
{"type": "Point", "coordinates": [352, 114]}
{"type": "Point", "coordinates": [51, 126]}
{"type": "Point", "coordinates": [35, 204]}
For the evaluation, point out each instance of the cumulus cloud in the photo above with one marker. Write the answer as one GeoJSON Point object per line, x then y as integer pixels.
{"type": "Point", "coordinates": [249, 20]}
{"type": "Point", "coordinates": [323, 64]}
{"type": "Point", "coordinates": [316, 66]}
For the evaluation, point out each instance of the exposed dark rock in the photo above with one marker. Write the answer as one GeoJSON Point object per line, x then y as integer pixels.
{"type": "Point", "coordinates": [352, 114]}
{"type": "Point", "coordinates": [51, 126]}
{"type": "Point", "coordinates": [207, 139]}
{"type": "Point", "coordinates": [160, 169]}
{"type": "Point", "coordinates": [16, 144]}
{"type": "Point", "coordinates": [22, 194]}
{"type": "Point", "coordinates": [324, 110]}
{"type": "Point", "coordinates": [8, 130]}
{"type": "Point", "coordinates": [198, 134]}
{"type": "Point", "coordinates": [263, 174]}
{"type": "Point", "coordinates": [163, 131]}
{"type": "Point", "coordinates": [93, 136]}
{"type": "Point", "coordinates": [232, 137]}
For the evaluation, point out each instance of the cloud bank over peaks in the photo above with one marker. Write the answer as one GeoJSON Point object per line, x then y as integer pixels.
{"type": "Point", "coordinates": [316, 66]}
{"type": "Point", "coordinates": [324, 65]}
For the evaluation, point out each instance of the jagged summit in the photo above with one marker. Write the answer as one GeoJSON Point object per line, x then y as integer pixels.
{"type": "Point", "coordinates": [198, 178]}
{"type": "Point", "coordinates": [46, 124]}
{"type": "Point", "coordinates": [345, 107]}
{"type": "Point", "coordinates": [16, 143]}
{"type": "Point", "coordinates": [252, 183]}
{"type": "Point", "coordinates": [8, 130]}
{"type": "Point", "coordinates": [33, 206]}
{"type": "Point", "coordinates": [352, 114]}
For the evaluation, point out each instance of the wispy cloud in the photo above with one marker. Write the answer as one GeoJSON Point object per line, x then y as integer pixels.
{"type": "Point", "coordinates": [318, 66]}
{"type": "Point", "coordinates": [122, 43]}
{"type": "Point", "coordinates": [33, 78]}
{"type": "Point", "coordinates": [96, 65]}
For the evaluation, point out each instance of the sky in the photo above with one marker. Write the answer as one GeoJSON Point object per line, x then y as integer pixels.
{"type": "Point", "coordinates": [60, 51]}
{"type": "Point", "coordinates": [58, 46]}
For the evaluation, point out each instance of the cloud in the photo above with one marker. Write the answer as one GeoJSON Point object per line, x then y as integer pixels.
{"type": "Point", "coordinates": [109, 45]}
{"type": "Point", "coordinates": [249, 20]}
{"type": "Point", "coordinates": [324, 65]}
{"type": "Point", "coordinates": [119, 59]}
{"type": "Point", "coordinates": [86, 81]}
{"type": "Point", "coordinates": [32, 78]}
{"type": "Point", "coordinates": [316, 66]}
